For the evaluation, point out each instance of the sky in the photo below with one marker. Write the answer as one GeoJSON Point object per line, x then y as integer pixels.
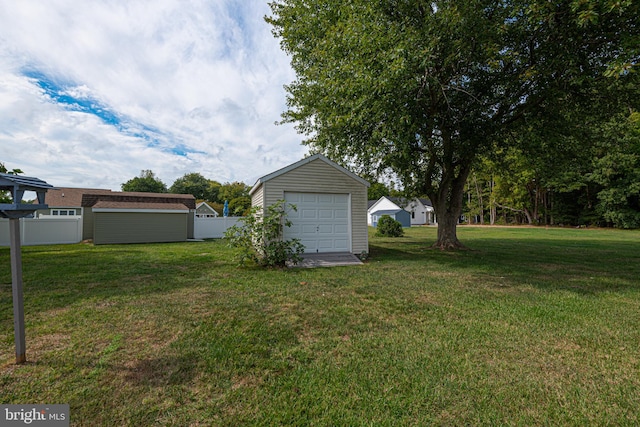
{"type": "Point", "coordinates": [94, 92]}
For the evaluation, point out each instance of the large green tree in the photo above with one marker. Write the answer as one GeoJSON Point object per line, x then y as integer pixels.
{"type": "Point", "coordinates": [423, 87]}
{"type": "Point", "coordinates": [147, 182]}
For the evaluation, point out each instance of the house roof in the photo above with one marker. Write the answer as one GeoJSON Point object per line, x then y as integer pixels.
{"type": "Point", "coordinates": [303, 162]}
{"type": "Point", "coordinates": [399, 201]}
{"type": "Point", "coordinates": [381, 199]}
{"type": "Point", "coordinates": [206, 206]}
{"type": "Point", "coordinates": [69, 197]}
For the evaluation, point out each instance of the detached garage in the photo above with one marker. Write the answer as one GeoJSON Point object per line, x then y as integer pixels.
{"type": "Point", "coordinates": [331, 204]}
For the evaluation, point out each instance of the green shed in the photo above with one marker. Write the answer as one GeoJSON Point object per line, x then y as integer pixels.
{"type": "Point", "coordinates": [129, 217]}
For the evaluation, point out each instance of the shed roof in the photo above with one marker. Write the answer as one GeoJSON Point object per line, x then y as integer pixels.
{"type": "Point", "coordinates": [303, 162]}
{"type": "Point", "coordinates": [134, 200]}
{"type": "Point", "coordinates": [388, 212]}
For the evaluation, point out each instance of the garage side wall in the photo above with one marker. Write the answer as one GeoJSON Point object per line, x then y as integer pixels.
{"type": "Point", "coordinates": [319, 177]}
{"type": "Point", "coordinates": [257, 198]}
{"type": "Point", "coordinates": [133, 227]}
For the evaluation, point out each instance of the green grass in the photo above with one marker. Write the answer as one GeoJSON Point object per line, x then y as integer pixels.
{"type": "Point", "coordinates": [533, 326]}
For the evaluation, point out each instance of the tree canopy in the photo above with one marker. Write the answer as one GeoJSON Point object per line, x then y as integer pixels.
{"type": "Point", "coordinates": [422, 88]}
{"type": "Point", "coordinates": [196, 184]}
{"type": "Point", "coordinates": [237, 194]}
{"type": "Point", "coordinates": [377, 190]}
{"type": "Point", "coordinates": [146, 182]}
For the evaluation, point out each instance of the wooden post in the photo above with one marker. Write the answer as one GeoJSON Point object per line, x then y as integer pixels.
{"type": "Point", "coordinates": [16, 280]}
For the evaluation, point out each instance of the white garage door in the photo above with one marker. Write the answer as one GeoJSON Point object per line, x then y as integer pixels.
{"type": "Point", "coordinates": [321, 221]}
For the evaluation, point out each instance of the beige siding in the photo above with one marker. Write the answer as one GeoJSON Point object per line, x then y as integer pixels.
{"type": "Point", "coordinates": [319, 177]}
{"type": "Point", "coordinates": [257, 198]}
{"type": "Point", "coordinates": [125, 227]}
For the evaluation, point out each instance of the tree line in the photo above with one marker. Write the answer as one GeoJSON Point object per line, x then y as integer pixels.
{"type": "Point", "coordinates": [203, 189]}
{"type": "Point", "coordinates": [590, 181]}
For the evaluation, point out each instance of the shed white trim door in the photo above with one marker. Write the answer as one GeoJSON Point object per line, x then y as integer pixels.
{"type": "Point", "coordinates": [322, 221]}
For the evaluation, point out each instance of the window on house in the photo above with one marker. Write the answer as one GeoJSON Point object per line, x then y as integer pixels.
{"type": "Point", "coordinates": [63, 212]}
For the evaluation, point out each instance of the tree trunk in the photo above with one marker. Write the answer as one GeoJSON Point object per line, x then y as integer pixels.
{"type": "Point", "coordinates": [447, 231]}
{"type": "Point", "coordinates": [493, 212]}
{"type": "Point", "coordinates": [448, 207]}
{"type": "Point", "coordinates": [480, 203]}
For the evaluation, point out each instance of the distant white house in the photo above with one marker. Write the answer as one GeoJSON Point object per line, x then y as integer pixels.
{"type": "Point", "coordinates": [203, 210]}
{"type": "Point", "coordinates": [421, 210]}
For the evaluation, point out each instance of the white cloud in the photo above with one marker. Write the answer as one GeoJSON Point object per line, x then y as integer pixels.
{"type": "Point", "coordinates": [166, 85]}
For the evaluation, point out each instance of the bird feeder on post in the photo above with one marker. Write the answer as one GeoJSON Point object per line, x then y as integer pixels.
{"type": "Point", "coordinates": [16, 186]}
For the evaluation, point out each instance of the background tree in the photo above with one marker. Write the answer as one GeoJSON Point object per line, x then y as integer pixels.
{"type": "Point", "coordinates": [146, 182]}
{"type": "Point", "coordinates": [232, 190]}
{"type": "Point", "coordinates": [200, 187]}
{"type": "Point", "coordinates": [422, 88]}
{"type": "Point", "coordinates": [214, 192]}
{"type": "Point", "coordinates": [237, 194]}
{"type": "Point", "coordinates": [377, 190]}
{"type": "Point", "coordinates": [617, 171]}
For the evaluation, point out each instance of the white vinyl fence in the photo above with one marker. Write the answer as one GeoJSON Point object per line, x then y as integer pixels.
{"type": "Point", "coordinates": [44, 231]}
{"type": "Point", "coordinates": [212, 228]}
{"type": "Point", "coordinates": [63, 230]}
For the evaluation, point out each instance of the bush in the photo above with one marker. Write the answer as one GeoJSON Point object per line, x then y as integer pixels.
{"type": "Point", "coordinates": [260, 238]}
{"type": "Point", "coordinates": [389, 227]}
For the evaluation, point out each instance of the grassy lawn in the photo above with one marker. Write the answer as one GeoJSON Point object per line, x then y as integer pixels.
{"type": "Point", "coordinates": [532, 327]}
